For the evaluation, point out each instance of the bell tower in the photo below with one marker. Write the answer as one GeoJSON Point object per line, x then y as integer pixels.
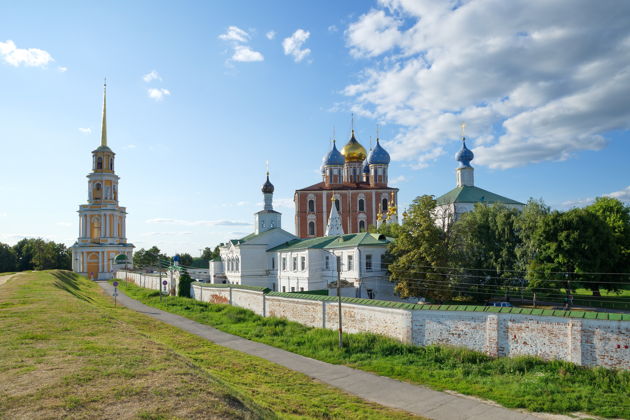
{"type": "Point", "coordinates": [102, 222]}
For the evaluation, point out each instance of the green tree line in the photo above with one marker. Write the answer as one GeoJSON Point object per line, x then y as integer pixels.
{"type": "Point", "coordinates": [34, 254]}
{"type": "Point", "coordinates": [494, 249]}
{"type": "Point", "coordinates": [153, 257]}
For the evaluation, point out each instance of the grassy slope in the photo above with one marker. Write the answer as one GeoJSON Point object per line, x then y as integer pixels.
{"type": "Point", "coordinates": [523, 382]}
{"type": "Point", "coordinates": [65, 351]}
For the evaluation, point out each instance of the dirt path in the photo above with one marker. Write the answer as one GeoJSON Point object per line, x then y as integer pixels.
{"type": "Point", "coordinates": [4, 279]}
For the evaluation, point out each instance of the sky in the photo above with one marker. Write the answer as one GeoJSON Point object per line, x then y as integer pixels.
{"type": "Point", "coordinates": [200, 95]}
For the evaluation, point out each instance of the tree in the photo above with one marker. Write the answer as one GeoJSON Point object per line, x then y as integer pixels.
{"type": "Point", "coordinates": [185, 259]}
{"type": "Point", "coordinates": [150, 258]}
{"type": "Point", "coordinates": [483, 245]}
{"type": "Point", "coordinates": [418, 252]}
{"type": "Point", "coordinates": [8, 259]}
{"type": "Point", "coordinates": [209, 254]}
{"type": "Point", "coordinates": [617, 216]}
{"type": "Point", "coordinates": [38, 254]}
{"type": "Point", "coordinates": [184, 284]}
{"type": "Point", "coordinates": [569, 248]}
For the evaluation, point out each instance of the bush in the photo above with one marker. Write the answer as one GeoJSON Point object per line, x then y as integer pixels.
{"type": "Point", "coordinates": [184, 285]}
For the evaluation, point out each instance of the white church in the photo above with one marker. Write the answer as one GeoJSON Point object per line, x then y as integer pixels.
{"type": "Point", "coordinates": [276, 259]}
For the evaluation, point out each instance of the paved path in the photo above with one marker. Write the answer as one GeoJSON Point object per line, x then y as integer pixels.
{"type": "Point", "coordinates": [385, 391]}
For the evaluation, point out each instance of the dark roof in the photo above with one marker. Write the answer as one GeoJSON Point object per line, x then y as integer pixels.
{"type": "Point", "coordinates": [471, 194]}
{"type": "Point", "coordinates": [321, 186]}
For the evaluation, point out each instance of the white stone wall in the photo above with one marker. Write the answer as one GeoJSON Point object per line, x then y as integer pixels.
{"type": "Point", "coordinates": [151, 281]}
{"type": "Point", "coordinates": [586, 342]}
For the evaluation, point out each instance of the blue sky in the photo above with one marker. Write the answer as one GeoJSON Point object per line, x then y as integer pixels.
{"type": "Point", "coordinates": [201, 94]}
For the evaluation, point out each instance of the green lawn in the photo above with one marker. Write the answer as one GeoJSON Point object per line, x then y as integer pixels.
{"type": "Point", "coordinates": [523, 382]}
{"type": "Point", "coordinates": [66, 352]}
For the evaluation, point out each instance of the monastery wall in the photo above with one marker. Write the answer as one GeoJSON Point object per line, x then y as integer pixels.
{"type": "Point", "coordinates": [587, 342]}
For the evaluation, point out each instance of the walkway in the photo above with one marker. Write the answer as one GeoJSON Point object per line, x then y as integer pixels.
{"type": "Point", "coordinates": [379, 389]}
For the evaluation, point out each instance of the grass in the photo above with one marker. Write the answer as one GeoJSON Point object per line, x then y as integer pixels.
{"type": "Point", "coordinates": [520, 382]}
{"type": "Point", "coordinates": [66, 351]}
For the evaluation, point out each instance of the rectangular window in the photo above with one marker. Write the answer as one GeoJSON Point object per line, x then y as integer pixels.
{"type": "Point", "coordinates": [327, 262]}
{"type": "Point", "coordinates": [301, 289]}
{"type": "Point", "coordinates": [284, 289]}
{"type": "Point", "coordinates": [303, 263]}
{"type": "Point", "coordinates": [370, 293]}
{"type": "Point", "coordinates": [350, 263]}
{"type": "Point", "coordinates": [284, 263]}
{"type": "Point", "coordinates": [339, 263]}
{"type": "Point", "coordinates": [294, 263]}
{"type": "Point", "coordinates": [293, 289]}
{"type": "Point", "coordinates": [382, 263]}
{"type": "Point", "coordinates": [273, 263]}
{"type": "Point", "coordinates": [368, 262]}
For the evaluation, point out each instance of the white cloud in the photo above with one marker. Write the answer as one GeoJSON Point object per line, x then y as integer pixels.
{"type": "Point", "coordinates": [158, 93]}
{"type": "Point", "coordinates": [244, 54]}
{"type": "Point", "coordinates": [62, 69]}
{"type": "Point", "coordinates": [293, 45]}
{"type": "Point", "coordinates": [209, 223]}
{"type": "Point", "coordinates": [397, 180]}
{"type": "Point", "coordinates": [31, 57]}
{"type": "Point", "coordinates": [64, 224]}
{"type": "Point", "coordinates": [622, 195]}
{"type": "Point", "coordinates": [535, 81]}
{"type": "Point", "coordinates": [3, 214]}
{"type": "Point", "coordinates": [270, 35]}
{"type": "Point", "coordinates": [85, 130]}
{"type": "Point", "coordinates": [333, 28]}
{"type": "Point", "coordinates": [150, 76]}
{"type": "Point", "coordinates": [236, 34]}
{"type": "Point", "coordinates": [239, 38]}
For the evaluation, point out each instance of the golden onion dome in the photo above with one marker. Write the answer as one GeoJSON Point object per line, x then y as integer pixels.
{"type": "Point", "coordinates": [353, 151]}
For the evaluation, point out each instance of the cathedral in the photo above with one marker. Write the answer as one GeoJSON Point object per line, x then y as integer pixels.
{"type": "Point", "coordinates": [102, 238]}
{"type": "Point", "coordinates": [355, 182]}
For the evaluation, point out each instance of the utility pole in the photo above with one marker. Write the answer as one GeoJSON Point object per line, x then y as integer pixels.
{"type": "Point", "coordinates": [160, 271]}
{"type": "Point", "coordinates": [339, 300]}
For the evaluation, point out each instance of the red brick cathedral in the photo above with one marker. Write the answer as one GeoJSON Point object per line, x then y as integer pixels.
{"type": "Point", "coordinates": [358, 182]}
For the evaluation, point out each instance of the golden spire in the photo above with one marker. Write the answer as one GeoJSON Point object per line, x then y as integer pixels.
{"type": "Point", "coordinates": [104, 127]}
{"type": "Point", "coordinates": [463, 126]}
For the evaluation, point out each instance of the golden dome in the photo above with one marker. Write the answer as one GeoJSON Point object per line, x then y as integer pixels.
{"type": "Point", "coordinates": [353, 151]}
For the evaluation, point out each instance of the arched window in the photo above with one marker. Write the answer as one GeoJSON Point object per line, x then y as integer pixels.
{"type": "Point", "coordinates": [311, 228]}
{"type": "Point", "coordinates": [361, 226]}
{"type": "Point", "coordinates": [111, 163]}
{"type": "Point", "coordinates": [98, 191]}
{"type": "Point", "coordinates": [384, 205]}
{"type": "Point", "coordinates": [311, 206]}
{"type": "Point", "coordinates": [337, 204]}
{"type": "Point", "coordinates": [99, 163]}
{"type": "Point", "coordinates": [237, 264]}
{"type": "Point", "coordinates": [361, 204]}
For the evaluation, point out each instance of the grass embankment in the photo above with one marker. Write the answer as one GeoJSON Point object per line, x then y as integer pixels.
{"type": "Point", "coordinates": [522, 382]}
{"type": "Point", "coordinates": [65, 351]}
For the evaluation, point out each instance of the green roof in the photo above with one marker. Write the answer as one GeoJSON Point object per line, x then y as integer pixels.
{"type": "Point", "coordinates": [331, 242]}
{"type": "Point", "coordinates": [469, 194]}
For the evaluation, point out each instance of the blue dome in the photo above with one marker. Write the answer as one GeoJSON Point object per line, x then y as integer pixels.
{"type": "Point", "coordinates": [464, 156]}
{"type": "Point", "coordinates": [366, 163]}
{"type": "Point", "coordinates": [379, 156]}
{"type": "Point", "coordinates": [334, 157]}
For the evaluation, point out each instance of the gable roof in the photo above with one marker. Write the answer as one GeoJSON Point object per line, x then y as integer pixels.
{"type": "Point", "coordinates": [332, 242]}
{"type": "Point", "coordinates": [253, 236]}
{"type": "Point", "coordinates": [471, 194]}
